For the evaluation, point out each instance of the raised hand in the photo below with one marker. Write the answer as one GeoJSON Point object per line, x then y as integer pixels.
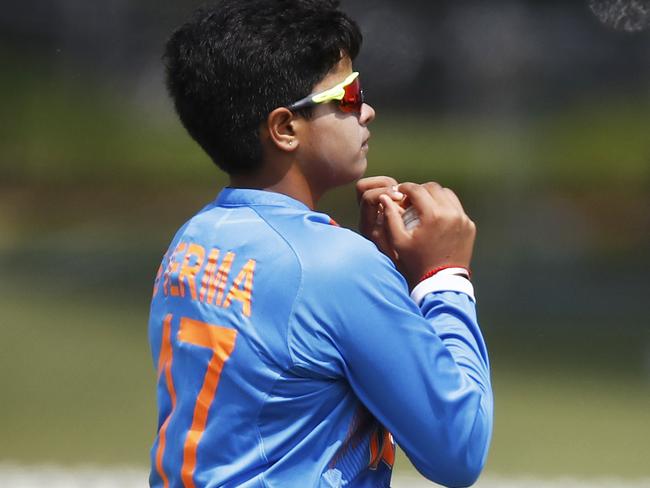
{"type": "Point", "coordinates": [444, 237]}
{"type": "Point", "coordinates": [371, 219]}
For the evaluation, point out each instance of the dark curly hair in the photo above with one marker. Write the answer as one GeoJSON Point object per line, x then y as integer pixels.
{"type": "Point", "coordinates": [235, 61]}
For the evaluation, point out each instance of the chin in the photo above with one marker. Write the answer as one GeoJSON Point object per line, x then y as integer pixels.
{"type": "Point", "coordinates": [362, 167]}
{"type": "Point", "coordinates": [356, 171]}
{"type": "Point", "coordinates": [346, 173]}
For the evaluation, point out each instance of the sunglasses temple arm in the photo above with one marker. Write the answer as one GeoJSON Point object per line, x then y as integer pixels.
{"type": "Point", "coordinates": [300, 104]}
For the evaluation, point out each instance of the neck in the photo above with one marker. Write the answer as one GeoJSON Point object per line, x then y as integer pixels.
{"type": "Point", "coordinates": [291, 183]}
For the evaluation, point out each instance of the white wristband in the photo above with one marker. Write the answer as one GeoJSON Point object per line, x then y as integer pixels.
{"type": "Point", "coordinates": [443, 280]}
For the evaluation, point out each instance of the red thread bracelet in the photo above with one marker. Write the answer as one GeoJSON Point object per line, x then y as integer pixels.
{"type": "Point", "coordinates": [433, 271]}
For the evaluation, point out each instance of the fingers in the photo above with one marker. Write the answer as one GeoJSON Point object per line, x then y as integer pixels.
{"type": "Point", "coordinates": [441, 199]}
{"type": "Point", "coordinates": [370, 207]}
{"type": "Point", "coordinates": [393, 223]}
{"type": "Point", "coordinates": [370, 198]}
{"type": "Point", "coordinates": [371, 211]}
{"type": "Point", "coordinates": [421, 197]}
{"type": "Point", "coordinates": [372, 182]}
{"type": "Point", "coordinates": [444, 236]}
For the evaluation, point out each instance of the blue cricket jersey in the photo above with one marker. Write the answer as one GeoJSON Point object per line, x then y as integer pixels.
{"type": "Point", "coordinates": [290, 354]}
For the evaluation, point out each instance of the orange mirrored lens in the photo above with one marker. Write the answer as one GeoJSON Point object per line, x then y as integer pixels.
{"type": "Point", "coordinates": [353, 98]}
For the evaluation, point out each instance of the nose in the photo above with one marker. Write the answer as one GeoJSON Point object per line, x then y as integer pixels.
{"type": "Point", "coordinates": [367, 114]}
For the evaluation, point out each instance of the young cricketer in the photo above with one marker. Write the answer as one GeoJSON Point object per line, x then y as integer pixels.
{"type": "Point", "coordinates": [292, 352]}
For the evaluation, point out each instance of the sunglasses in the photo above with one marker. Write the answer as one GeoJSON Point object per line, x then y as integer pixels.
{"type": "Point", "coordinates": [348, 94]}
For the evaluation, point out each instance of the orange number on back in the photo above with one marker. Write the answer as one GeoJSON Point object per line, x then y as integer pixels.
{"type": "Point", "coordinates": [221, 341]}
{"type": "Point", "coordinates": [165, 366]}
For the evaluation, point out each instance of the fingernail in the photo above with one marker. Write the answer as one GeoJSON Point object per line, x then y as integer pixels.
{"type": "Point", "coordinates": [398, 195]}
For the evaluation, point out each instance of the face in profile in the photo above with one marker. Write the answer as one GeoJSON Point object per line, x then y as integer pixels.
{"type": "Point", "coordinates": [333, 150]}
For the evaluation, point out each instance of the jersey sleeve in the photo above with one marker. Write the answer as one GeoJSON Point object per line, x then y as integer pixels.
{"type": "Point", "coordinates": [422, 371]}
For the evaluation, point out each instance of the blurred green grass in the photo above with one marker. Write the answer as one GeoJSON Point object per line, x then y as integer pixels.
{"type": "Point", "coordinates": [76, 378]}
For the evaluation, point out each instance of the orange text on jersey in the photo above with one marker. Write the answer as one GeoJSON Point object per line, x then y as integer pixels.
{"type": "Point", "coordinates": [183, 274]}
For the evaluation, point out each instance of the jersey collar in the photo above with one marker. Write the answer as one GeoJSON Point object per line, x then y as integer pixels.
{"type": "Point", "coordinates": [235, 197]}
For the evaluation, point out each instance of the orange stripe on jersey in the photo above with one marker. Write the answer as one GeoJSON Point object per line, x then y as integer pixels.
{"type": "Point", "coordinates": [382, 449]}
{"type": "Point", "coordinates": [388, 455]}
{"type": "Point", "coordinates": [165, 364]}
{"type": "Point", "coordinates": [221, 341]}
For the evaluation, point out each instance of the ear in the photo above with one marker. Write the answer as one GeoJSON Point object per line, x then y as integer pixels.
{"type": "Point", "coordinates": [281, 125]}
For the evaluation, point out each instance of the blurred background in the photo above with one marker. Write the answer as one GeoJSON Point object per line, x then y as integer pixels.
{"type": "Point", "coordinates": [535, 112]}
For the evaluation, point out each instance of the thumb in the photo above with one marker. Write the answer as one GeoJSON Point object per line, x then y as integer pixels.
{"type": "Point", "coordinates": [393, 223]}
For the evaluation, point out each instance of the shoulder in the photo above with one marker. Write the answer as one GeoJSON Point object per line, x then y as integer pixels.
{"type": "Point", "coordinates": [327, 249]}
{"type": "Point", "coordinates": [313, 240]}
{"type": "Point", "coordinates": [332, 261]}
{"type": "Point", "coordinates": [338, 262]}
